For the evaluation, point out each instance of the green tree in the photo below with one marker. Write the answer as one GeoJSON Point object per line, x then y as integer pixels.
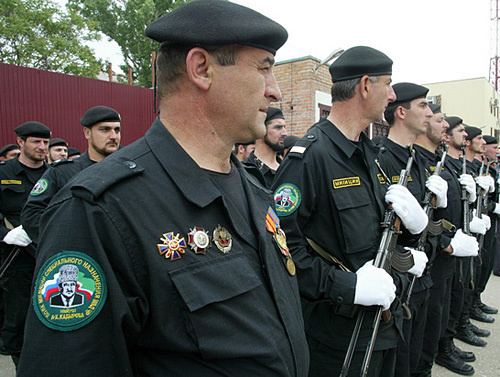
{"type": "Point", "coordinates": [39, 34]}
{"type": "Point", "coordinates": [124, 21]}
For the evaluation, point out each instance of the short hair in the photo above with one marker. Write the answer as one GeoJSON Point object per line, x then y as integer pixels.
{"type": "Point", "coordinates": [171, 64]}
{"type": "Point", "coordinates": [344, 90]}
{"type": "Point", "coordinates": [391, 109]}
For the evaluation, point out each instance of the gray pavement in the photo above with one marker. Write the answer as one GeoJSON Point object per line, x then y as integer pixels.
{"type": "Point", "coordinates": [486, 365]}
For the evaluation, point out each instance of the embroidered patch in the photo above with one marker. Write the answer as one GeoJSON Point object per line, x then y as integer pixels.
{"type": "Point", "coordinates": [346, 182]}
{"type": "Point", "coordinates": [39, 187]}
{"type": "Point", "coordinates": [70, 291]}
{"type": "Point", "coordinates": [11, 182]}
{"type": "Point", "coordinates": [287, 199]}
{"type": "Point", "coordinates": [395, 179]}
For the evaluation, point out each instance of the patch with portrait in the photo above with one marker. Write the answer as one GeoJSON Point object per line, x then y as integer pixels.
{"type": "Point", "coordinates": [39, 187]}
{"type": "Point", "coordinates": [287, 199]}
{"type": "Point", "coordinates": [70, 291]}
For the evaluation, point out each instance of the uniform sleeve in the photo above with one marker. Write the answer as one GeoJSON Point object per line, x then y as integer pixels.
{"type": "Point", "coordinates": [37, 203]}
{"type": "Point", "coordinates": [317, 278]}
{"type": "Point", "coordinates": [104, 345]}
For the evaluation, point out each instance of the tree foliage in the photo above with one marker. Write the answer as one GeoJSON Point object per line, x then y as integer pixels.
{"type": "Point", "coordinates": [39, 34]}
{"type": "Point", "coordinates": [124, 21]}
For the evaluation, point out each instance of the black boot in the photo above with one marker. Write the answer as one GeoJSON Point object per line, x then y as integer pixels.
{"type": "Point", "coordinates": [483, 333]}
{"type": "Point", "coordinates": [448, 359]}
{"type": "Point", "coordinates": [486, 308]}
{"type": "Point", "coordinates": [463, 355]}
{"type": "Point", "coordinates": [479, 315]}
{"type": "Point", "coordinates": [465, 334]}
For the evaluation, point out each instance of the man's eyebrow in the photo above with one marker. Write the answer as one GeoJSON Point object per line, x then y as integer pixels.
{"type": "Point", "coordinates": [268, 59]}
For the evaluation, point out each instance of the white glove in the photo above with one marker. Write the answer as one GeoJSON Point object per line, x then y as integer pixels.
{"type": "Point", "coordinates": [17, 236]}
{"type": "Point", "coordinates": [464, 245]}
{"type": "Point", "coordinates": [469, 184]}
{"type": "Point", "coordinates": [374, 286]}
{"type": "Point", "coordinates": [487, 221]}
{"type": "Point", "coordinates": [407, 208]}
{"type": "Point", "coordinates": [477, 225]}
{"type": "Point", "coordinates": [420, 259]}
{"type": "Point", "coordinates": [439, 187]}
{"type": "Point", "coordinates": [496, 211]}
{"type": "Point", "coordinates": [486, 182]}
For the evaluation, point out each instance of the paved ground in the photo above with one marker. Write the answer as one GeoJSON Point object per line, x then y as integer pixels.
{"type": "Point", "coordinates": [486, 365]}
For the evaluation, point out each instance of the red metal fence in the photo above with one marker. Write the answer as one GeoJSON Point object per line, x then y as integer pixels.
{"type": "Point", "coordinates": [59, 101]}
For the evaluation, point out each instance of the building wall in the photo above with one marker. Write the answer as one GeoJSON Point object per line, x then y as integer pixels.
{"type": "Point", "coordinates": [59, 101]}
{"type": "Point", "coordinates": [473, 100]}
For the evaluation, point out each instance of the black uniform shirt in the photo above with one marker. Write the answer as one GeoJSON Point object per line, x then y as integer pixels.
{"type": "Point", "coordinates": [260, 170]}
{"type": "Point", "coordinates": [206, 314]}
{"type": "Point", "coordinates": [58, 174]}
{"type": "Point", "coordinates": [339, 204]}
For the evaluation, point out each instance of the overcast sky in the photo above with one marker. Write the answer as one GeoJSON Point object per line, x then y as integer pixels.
{"type": "Point", "coordinates": [428, 40]}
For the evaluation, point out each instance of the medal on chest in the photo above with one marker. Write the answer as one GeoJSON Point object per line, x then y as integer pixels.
{"type": "Point", "coordinates": [279, 237]}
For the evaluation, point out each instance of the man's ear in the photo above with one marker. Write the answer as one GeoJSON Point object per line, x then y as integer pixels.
{"type": "Point", "coordinates": [365, 86]}
{"type": "Point", "coordinates": [400, 112]}
{"type": "Point", "coordinates": [199, 67]}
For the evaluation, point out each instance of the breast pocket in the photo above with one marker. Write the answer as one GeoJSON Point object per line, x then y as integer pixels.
{"type": "Point", "coordinates": [221, 296]}
{"type": "Point", "coordinates": [358, 218]}
{"type": "Point", "coordinates": [13, 198]}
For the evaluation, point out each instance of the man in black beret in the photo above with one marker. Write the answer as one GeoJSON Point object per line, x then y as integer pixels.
{"type": "Point", "coordinates": [185, 244]}
{"type": "Point", "coordinates": [9, 151]}
{"type": "Point", "coordinates": [73, 153]}
{"type": "Point", "coordinates": [334, 205]}
{"type": "Point", "coordinates": [243, 150]}
{"type": "Point", "coordinates": [264, 160]}
{"type": "Point", "coordinates": [409, 118]}
{"type": "Point", "coordinates": [17, 178]}
{"type": "Point", "coordinates": [102, 129]}
{"type": "Point", "coordinates": [58, 150]}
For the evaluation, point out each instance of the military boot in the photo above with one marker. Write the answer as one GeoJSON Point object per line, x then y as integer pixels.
{"type": "Point", "coordinates": [448, 359]}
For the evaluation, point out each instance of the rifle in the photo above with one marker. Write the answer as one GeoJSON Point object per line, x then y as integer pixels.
{"type": "Point", "coordinates": [391, 229]}
{"type": "Point", "coordinates": [429, 206]}
{"type": "Point", "coordinates": [466, 220]}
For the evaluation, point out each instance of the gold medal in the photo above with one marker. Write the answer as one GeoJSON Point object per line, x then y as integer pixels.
{"type": "Point", "coordinates": [222, 239]}
{"type": "Point", "coordinates": [280, 238]}
{"type": "Point", "coordinates": [290, 266]}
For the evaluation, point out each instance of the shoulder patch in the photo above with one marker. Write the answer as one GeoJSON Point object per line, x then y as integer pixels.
{"type": "Point", "coordinates": [39, 187]}
{"type": "Point", "coordinates": [70, 291]}
{"type": "Point", "coordinates": [301, 146]}
{"type": "Point", "coordinates": [287, 198]}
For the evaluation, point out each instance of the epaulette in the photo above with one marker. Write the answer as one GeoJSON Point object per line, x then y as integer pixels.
{"type": "Point", "coordinates": [2, 162]}
{"type": "Point", "coordinates": [300, 147]}
{"type": "Point", "coordinates": [61, 162]}
{"type": "Point", "coordinates": [100, 177]}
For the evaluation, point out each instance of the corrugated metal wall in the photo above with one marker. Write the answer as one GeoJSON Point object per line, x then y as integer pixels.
{"type": "Point", "coordinates": [59, 101]}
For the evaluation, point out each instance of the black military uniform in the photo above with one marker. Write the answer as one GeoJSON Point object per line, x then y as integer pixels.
{"type": "Point", "coordinates": [16, 182]}
{"type": "Point", "coordinates": [49, 184]}
{"type": "Point", "coordinates": [259, 170]}
{"type": "Point", "coordinates": [211, 313]}
{"type": "Point", "coordinates": [337, 200]}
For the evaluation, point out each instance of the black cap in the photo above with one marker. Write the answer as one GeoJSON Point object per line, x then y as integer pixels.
{"type": "Point", "coordinates": [73, 152]}
{"type": "Point", "coordinates": [247, 143]}
{"type": "Point", "coordinates": [99, 114]}
{"type": "Point", "coordinates": [290, 141]}
{"type": "Point", "coordinates": [359, 61]}
{"type": "Point", "coordinates": [488, 138]}
{"type": "Point", "coordinates": [34, 129]}
{"type": "Point", "coordinates": [436, 109]}
{"type": "Point", "coordinates": [7, 148]}
{"type": "Point", "coordinates": [472, 132]}
{"type": "Point", "coordinates": [56, 141]}
{"type": "Point", "coordinates": [453, 121]}
{"type": "Point", "coordinates": [273, 113]}
{"type": "Point", "coordinates": [217, 23]}
{"type": "Point", "coordinates": [407, 92]}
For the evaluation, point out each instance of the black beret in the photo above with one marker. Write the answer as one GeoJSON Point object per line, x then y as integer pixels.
{"type": "Point", "coordinates": [290, 141]}
{"type": "Point", "coordinates": [273, 113]}
{"type": "Point", "coordinates": [56, 141]}
{"type": "Point", "coordinates": [99, 114]}
{"type": "Point", "coordinates": [407, 92]}
{"type": "Point", "coordinates": [247, 143]}
{"type": "Point", "coordinates": [359, 61]}
{"type": "Point", "coordinates": [453, 121]}
{"type": "Point", "coordinates": [73, 151]}
{"type": "Point", "coordinates": [34, 129]}
{"type": "Point", "coordinates": [217, 23]}
{"type": "Point", "coordinates": [436, 109]}
{"type": "Point", "coordinates": [489, 139]}
{"type": "Point", "coordinates": [472, 132]}
{"type": "Point", "coordinates": [7, 148]}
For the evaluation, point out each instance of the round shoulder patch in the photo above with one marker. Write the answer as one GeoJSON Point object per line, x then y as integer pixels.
{"type": "Point", "coordinates": [287, 199]}
{"type": "Point", "coordinates": [39, 187]}
{"type": "Point", "coordinates": [70, 291]}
